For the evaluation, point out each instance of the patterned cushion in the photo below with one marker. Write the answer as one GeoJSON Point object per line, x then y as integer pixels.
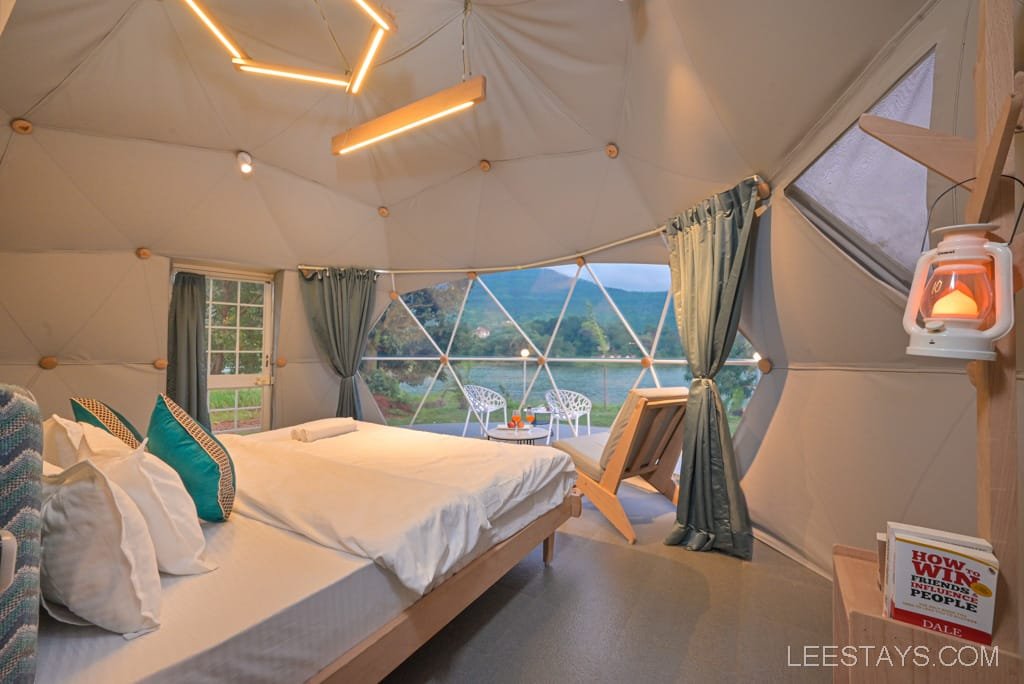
{"type": "Point", "coordinates": [97, 413]}
{"type": "Point", "coordinates": [21, 446]}
{"type": "Point", "coordinates": [201, 461]}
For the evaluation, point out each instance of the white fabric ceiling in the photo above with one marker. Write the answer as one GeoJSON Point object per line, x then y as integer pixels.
{"type": "Point", "coordinates": [138, 114]}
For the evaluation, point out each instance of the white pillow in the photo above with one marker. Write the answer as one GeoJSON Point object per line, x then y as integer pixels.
{"type": "Point", "coordinates": [98, 562]}
{"type": "Point", "coordinates": [61, 438]}
{"type": "Point", "coordinates": [98, 438]}
{"type": "Point", "coordinates": [157, 490]}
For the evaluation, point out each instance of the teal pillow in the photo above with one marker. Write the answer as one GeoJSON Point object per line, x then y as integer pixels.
{"type": "Point", "coordinates": [201, 461]}
{"type": "Point", "coordinates": [95, 412]}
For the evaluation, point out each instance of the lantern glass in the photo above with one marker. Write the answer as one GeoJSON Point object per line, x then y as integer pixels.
{"type": "Point", "coordinates": [958, 294]}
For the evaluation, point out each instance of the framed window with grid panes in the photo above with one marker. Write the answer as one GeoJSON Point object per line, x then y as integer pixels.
{"type": "Point", "coordinates": [239, 336]}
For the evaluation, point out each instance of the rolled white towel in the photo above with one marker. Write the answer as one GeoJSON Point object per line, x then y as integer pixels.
{"type": "Point", "coordinates": [322, 429]}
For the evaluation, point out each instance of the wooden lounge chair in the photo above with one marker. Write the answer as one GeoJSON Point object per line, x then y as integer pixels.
{"type": "Point", "coordinates": [646, 440]}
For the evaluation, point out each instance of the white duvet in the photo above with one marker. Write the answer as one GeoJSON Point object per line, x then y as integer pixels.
{"type": "Point", "coordinates": [413, 502]}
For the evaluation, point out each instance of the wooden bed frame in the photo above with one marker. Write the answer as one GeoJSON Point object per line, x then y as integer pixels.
{"type": "Point", "coordinates": [377, 655]}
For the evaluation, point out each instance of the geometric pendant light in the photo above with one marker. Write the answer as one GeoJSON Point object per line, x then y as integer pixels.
{"type": "Point", "coordinates": [431, 108]}
{"type": "Point", "coordinates": [244, 63]}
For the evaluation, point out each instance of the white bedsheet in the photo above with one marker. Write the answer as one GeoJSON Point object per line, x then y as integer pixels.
{"type": "Point", "coordinates": [500, 475]}
{"type": "Point", "coordinates": [415, 529]}
{"type": "Point", "coordinates": [279, 608]}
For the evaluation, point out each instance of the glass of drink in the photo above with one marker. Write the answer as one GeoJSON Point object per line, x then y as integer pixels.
{"type": "Point", "coordinates": [530, 417]}
{"type": "Point", "coordinates": [517, 418]}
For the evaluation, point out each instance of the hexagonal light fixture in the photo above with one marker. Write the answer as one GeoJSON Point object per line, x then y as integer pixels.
{"type": "Point", "coordinates": [244, 63]}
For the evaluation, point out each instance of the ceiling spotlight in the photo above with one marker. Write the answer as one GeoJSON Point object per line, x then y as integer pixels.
{"type": "Point", "coordinates": [244, 163]}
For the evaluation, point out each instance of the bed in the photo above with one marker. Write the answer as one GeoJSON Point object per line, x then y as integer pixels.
{"type": "Point", "coordinates": [282, 607]}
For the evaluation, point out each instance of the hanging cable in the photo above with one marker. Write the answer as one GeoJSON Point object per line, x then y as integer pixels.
{"type": "Point", "coordinates": [334, 38]}
{"type": "Point", "coordinates": [467, 9]}
{"type": "Point", "coordinates": [931, 208]}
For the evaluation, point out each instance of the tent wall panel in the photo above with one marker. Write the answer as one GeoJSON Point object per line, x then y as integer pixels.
{"type": "Point", "coordinates": [836, 41]}
{"type": "Point", "coordinates": [845, 451]}
{"type": "Point", "coordinates": [848, 431]}
{"type": "Point", "coordinates": [103, 315]}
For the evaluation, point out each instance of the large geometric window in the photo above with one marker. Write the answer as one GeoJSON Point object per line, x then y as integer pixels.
{"type": "Point", "coordinates": [602, 329]}
{"type": "Point", "coordinates": [868, 198]}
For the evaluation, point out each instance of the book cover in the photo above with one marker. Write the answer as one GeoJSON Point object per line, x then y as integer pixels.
{"type": "Point", "coordinates": [940, 585]}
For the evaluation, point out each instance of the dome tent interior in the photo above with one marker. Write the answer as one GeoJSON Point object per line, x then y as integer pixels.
{"type": "Point", "coordinates": [130, 173]}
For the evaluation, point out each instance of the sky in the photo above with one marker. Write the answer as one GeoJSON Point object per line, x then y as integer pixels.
{"type": "Point", "coordinates": [635, 277]}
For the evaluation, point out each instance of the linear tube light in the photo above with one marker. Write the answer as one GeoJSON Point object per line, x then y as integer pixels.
{"type": "Point", "coordinates": [378, 17]}
{"type": "Point", "coordinates": [431, 108]}
{"type": "Point", "coordinates": [216, 30]}
{"type": "Point", "coordinates": [294, 73]}
{"type": "Point", "coordinates": [364, 65]}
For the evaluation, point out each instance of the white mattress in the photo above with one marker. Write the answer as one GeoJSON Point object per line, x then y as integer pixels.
{"type": "Point", "coordinates": [279, 609]}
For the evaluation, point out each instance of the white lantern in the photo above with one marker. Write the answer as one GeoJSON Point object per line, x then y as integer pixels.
{"type": "Point", "coordinates": [961, 300]}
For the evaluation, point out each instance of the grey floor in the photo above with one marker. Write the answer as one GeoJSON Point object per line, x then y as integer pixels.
{"type": "Point", "coordinates": [605, 611]}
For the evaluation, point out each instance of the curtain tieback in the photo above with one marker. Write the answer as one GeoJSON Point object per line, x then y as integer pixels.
{"type": "Point", "coordinates": [705, 381]}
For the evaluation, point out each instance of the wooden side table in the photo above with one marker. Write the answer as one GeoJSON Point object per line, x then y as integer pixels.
{"type": "Point", "coordinates": [857, 621]}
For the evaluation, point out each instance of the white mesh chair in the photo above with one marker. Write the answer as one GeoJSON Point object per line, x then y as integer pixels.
{"type": "Point", "coordinates": [568, 406]}
{"type": "Point", "coordinates": [483, 402]}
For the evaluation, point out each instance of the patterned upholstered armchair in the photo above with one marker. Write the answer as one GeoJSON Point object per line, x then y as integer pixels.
{"type": "Point", "coordinates": [21, 446]}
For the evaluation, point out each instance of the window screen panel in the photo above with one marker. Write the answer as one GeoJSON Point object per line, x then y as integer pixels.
{"type": "Point", "coordinates": [872, 195]}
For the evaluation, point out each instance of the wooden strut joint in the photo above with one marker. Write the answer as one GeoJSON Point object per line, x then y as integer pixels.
{"type": "Point", "coordinates": [950, 156]}
{"type": "Point", "coordinates": [21, 126]}
{"type": "Point", "coordinates": [992, 162]}
{"type": "Point", "coordinates": [997, 434]}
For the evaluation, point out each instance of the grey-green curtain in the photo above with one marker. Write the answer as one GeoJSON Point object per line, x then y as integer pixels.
{"type": "Point", "coordinates": [186, 346]}
{"type": "Point", "coordinates": [339, 303]}
{"type": "Point", "coordinates": [708, 256]}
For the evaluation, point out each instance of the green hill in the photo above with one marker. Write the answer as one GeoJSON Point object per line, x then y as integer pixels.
{"type": "Point", "coordinates": [540, 293]}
